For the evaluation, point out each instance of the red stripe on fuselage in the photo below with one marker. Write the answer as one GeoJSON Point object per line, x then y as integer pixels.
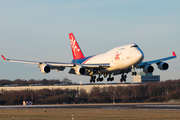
{"type": "Point", "coordinates": [88, 59]}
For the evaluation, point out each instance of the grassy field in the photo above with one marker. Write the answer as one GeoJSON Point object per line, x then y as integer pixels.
{"type": "Point", "coordinates": [86, 114]}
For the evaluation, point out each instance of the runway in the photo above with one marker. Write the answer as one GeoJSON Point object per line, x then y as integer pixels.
{"type": "Point", "coordinates": [128, 106]}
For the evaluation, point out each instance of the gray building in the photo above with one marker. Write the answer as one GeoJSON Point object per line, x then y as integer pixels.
{"type": "Point", "coordinates": [142, 77]}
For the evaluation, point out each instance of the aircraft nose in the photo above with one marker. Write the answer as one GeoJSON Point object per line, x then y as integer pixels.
{"type": "Point", "coordinates": [137, 56]}
{"type": "Point", "coordinates": [140, 56]}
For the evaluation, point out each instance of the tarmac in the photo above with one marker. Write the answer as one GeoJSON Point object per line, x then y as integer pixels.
{"type": "Point", "coordinates": [119, 106]}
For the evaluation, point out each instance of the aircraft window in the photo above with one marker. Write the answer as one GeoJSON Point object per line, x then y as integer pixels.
{"type": "Point", "coordinates": [121, 49]}
{"type": "Point", "coordinates": [134, 46]}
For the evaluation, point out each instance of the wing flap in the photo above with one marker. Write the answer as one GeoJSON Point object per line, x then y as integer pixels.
{"type": "Point", "coordinates": [60, 64]}
{"type": "Point", "coordinates": [103, 65]}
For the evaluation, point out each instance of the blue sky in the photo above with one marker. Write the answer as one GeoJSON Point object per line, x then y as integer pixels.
{"type": "Point", "coordinates": [38, 30]}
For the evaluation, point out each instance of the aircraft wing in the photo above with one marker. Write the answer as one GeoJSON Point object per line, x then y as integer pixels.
{"type": "Point", "coordinates": [59, 65]}
{"type": "Point", "coordinates": [141, 65]}
{"type": "Point", "coordinates": [20, 61]}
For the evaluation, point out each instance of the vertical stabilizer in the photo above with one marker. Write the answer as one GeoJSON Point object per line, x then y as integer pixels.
{"type": "Point", "coordinates": [76, 51]}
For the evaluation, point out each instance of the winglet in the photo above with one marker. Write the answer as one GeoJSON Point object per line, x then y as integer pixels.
{"type": "Point", "coordinates": [174, 54]}
{"type": "Point", "coordinates": [3, 57]}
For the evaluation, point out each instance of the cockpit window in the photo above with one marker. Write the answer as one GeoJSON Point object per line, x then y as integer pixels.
{"type": "Point", "coordinates": [134, 46]}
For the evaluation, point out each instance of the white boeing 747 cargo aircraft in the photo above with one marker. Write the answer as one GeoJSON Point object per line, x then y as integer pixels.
{"type": "Point", "coordinates": [120, 60]}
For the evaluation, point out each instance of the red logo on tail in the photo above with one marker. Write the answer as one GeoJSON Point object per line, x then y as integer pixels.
{"type": "Point", "coordinates": [76, 51]}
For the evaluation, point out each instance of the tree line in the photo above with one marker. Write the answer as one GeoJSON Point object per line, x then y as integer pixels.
{"type": "Point", "coordinates": [20, 82]}
{"type": "Point", "coordinates": [150, 92]}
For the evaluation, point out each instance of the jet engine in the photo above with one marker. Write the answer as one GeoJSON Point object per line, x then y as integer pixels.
{"type": "Point", "coordinates": [81, 71]}
{"type": "Point", "coordinates": [163, 66]}
{"type": "Point", "coordinates": [45, 69]}
{"type": "Point", "coordinates": [148, 69]}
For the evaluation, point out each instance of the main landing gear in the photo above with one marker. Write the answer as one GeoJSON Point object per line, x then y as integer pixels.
{"type": "Point", "coordinates": [110, 78]}
{"type": "Point", "coordinates": [92, 79]}
{"type": "Point", "coordinates": [100, 79]}
{"type": "Point", "coordinates": [123, 78]}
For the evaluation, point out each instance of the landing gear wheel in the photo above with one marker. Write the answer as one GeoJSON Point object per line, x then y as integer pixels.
{"type": "Point", "coordinates": [101, 79]}
{"type": "Point", "coordinates": [123, 78]}
{"type": "Point", "coordinates": [134, 73]}
{"type": "Point", "coordinates": [110, 79]}
{"type": "Point", "coordinates": [92, 79]}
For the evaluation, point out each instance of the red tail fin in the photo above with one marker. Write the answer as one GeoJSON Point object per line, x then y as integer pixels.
{"type": "Point", "coordinates": [76, 51]}
{"type": "Point", "coordinates": [3, 57]}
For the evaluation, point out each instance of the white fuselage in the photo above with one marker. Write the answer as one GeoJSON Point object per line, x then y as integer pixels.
{"type": "Point", "coordinates": [122, 57]}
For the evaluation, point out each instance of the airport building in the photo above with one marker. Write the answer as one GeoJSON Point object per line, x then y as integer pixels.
{"type": "Point", "coordinates": [143, 77]}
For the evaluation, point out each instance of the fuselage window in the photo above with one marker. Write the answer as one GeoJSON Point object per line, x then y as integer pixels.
{"type": "Point", "coordinates": [121, 49]}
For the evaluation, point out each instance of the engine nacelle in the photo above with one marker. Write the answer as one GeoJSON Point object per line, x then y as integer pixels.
{"type": "Point", "coordinates": [163, 66]}
{"type": "Point", "coordinates": [81, 71]}
{"type": "Point", "coordinates": [45, 69]}
{"type": "Point", "coordinates": [148, 69]}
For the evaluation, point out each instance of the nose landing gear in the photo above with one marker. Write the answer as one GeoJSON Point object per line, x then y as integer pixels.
{"type": "Point", "coordinates": [134, 73]}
